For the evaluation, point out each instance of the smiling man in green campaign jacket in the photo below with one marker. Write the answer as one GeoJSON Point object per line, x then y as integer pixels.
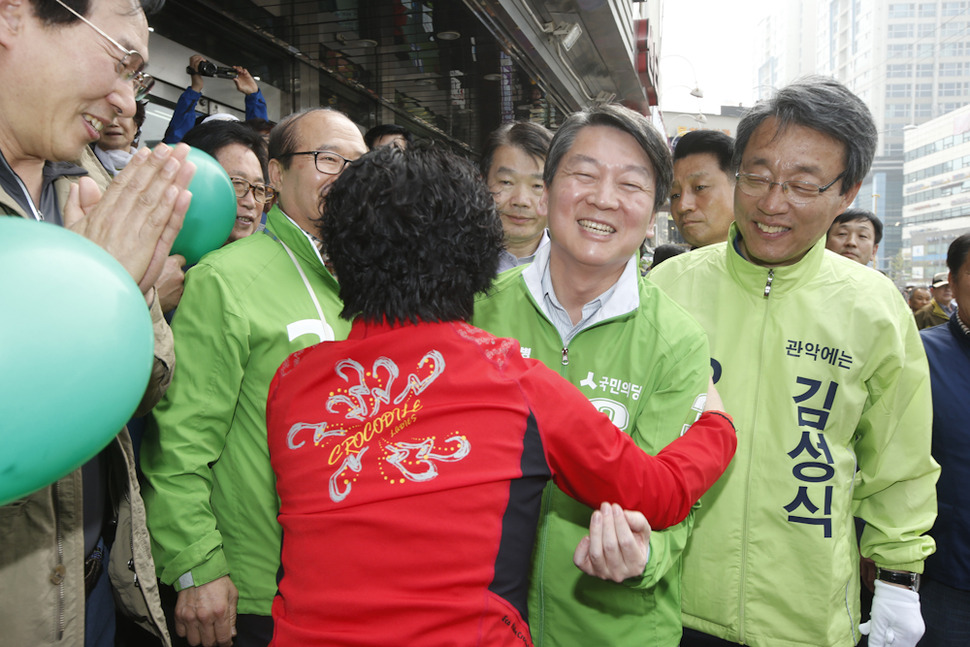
{"type": "Point", "coordinates": [818, 359]}
{"type": "Point", "coordinates": [210, 490]}
{"type": "Point", "coordinates": [582, 308]}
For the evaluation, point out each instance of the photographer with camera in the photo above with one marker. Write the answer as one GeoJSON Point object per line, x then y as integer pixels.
{"type": "Point", "coordinates": [184, 117]}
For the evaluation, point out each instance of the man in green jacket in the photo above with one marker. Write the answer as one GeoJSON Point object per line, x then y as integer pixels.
{"type": "Point", "coordinates": [582, 308]}
{"type": "Point", "coordinates": [833, 412]}
{"type": "Point", "coordinates": [210, 490]}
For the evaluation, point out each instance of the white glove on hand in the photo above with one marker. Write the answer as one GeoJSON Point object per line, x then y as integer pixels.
{"type": "Point", "coordinates": [895, 620]}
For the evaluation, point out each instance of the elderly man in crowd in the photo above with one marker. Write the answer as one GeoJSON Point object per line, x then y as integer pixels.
{"type": "Point", "coordinates": [210, 489]}
{"type": "Point", "coordinates": [68, 70]}
{"type": "Point", "coordinates": [941, 307]}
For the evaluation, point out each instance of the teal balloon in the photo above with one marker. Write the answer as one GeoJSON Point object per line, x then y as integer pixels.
{"type": "Point", "coordinates": [212, 212]}
{"type": "Point", "coordinates": [76, 352]}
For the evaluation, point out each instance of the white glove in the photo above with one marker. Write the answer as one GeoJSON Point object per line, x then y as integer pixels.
{"type": "Point", "coordinates": [895, 620]}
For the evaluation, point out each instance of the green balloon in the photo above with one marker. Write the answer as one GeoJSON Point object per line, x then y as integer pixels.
{"type": "Point", "coordinates": [76, 351]}
{"type": "Point", "coordinates": [212, 212]}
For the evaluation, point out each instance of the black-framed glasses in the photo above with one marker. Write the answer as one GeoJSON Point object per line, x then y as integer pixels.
{"type": "Point", "coordinates": [262, 193]}
{"type": "Point", "coordinates": [129, 65]}
{"type": "Point", "coordinates": [796, 191]}
{"type": "Point", "coordinates": [326, 161]}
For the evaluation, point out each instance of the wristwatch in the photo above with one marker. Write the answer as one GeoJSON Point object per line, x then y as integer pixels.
{"type": "Point", "coordinates": [906, 578]}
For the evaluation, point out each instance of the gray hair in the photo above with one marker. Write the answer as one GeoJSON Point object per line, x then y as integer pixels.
{"type": "Point", "coordinates": [825, 105]}
{"type": "Point", "coordinates": [627, 121]}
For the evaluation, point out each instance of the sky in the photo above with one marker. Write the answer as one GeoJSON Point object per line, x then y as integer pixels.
{"type": "Point", "coordinates": [717, 40]}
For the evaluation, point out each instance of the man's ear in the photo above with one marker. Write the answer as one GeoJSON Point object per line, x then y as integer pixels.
{"type": "Point", "coordinates": [651, 229]}
{"type": "Point", "coordinates": [13, 13]}
{"type": "Point", "coordinates": [847, 198]}
{"type": "Point", "coordinates": [274, 168]}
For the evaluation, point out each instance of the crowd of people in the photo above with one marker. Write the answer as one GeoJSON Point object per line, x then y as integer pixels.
{"type": "Point", "coordinates": [414, 400]}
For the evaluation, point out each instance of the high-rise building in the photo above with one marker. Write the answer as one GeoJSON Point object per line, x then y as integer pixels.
{"type": "Point", "coordinates": [785, 44]}
{"type": "Point", "coordinates": [936, 192]}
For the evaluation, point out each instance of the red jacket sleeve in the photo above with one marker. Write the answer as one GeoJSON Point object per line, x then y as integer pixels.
{"type": "Point", "coordinates": [593, 461]}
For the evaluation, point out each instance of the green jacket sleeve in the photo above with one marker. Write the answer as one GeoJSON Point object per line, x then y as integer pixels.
{"type": "Point", "coordinates": [666, 547]}
{"type": "Point", "coordinates": [896, 483]}
{"type": "Point", "coordinates": [674, 405]}
{"type": "Point", "coordinates": [189, 430]}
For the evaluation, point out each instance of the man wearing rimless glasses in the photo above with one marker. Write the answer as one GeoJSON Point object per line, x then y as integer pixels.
{"type": "Point", "coordinates": [833, 412]}
{"type": "Point", "coordinates": [67, 69]}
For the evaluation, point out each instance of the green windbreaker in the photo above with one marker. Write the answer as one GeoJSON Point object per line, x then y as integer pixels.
{"type": "Point", "coordinates": [210, 490]}
{"type": "Point", "coordinates": [646, 366]}
{"type": "Point", "coordinates": [822, 368]}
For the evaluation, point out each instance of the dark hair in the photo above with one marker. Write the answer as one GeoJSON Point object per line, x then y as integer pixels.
{"type": "Point", "coordinates": [712, 142]}
{"type": "Point", "coordinates": [412, 234]}
{"type": "Point", "coordinates": [625, 120]}
{"type": "Point", "coordinates": [860, 214]}
{"type": "Point", "coordinates": [52, 13]}
{"type": "Point", "coordinates": [260, 125]}
{"type": "Point", "coordinates": [213, 136]}
{"type": "Point", "coordinates": [665, 251]}
{"type": "Point", "coordinates": [956, 255]}
{"type": "Point", "coordinates": [282, 139]}
{"type": "Point", "coordinates": [824, 105]}
{"type": "Point", "coordinates": [382, 130]}
{"type": "Point", "coordinates": [532, 138]}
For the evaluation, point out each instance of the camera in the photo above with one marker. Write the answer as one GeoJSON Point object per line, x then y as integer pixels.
{"type": "Point", "coordinates": [208, 68]}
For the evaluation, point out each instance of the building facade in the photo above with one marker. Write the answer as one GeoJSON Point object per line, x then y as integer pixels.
{"type": "Point", "coordinates": [936, 192]}
{"type": "Point", "coordinates": [449, 70]}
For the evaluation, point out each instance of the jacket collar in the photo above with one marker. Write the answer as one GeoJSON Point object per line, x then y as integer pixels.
{"type": "Point", "coordinates": [282, 227]}
{"type": "Point", "coordinates": [783, 280]}
{"type": "Point", "coordinates": [625, 298]}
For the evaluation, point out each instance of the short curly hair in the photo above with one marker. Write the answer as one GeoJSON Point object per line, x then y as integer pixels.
{"type": "Point", "coordinates": [412, 234]}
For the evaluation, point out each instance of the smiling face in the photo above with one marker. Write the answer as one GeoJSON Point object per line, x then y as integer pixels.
{"type": "Point", "coordinates": [599, 205]}
{"type": "Point", "coordinates": [241, 161]}
{"type": "Point", "coordinates": [300, 186]}
{"type": "Point", "coordinates": [66, 79]}
{"type": "Point", "coordinates": [119, 134]}
{"type": "Point", "coordinates": [702, 199]}
{"type": "Point", "coordinates": [855, 239]}
{"type": "Point", "coordinates": [515, 180]}
{"type": "Point", "coordinates": [775, 231]}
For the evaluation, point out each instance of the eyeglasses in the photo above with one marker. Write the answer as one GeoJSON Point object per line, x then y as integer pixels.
{"type": "Point", "coordinates": [262, 193]}
{"type": "Point", "coordinates": [796, 191]}
{"type": "Point", "coordinates": [326, 161]}
{"type": "Point", "coordinates": [129, 65]}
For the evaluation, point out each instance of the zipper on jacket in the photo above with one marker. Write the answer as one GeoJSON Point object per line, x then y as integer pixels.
{"type": "Point", "coordinates": [57, 576]}
{"type": "Point", "coordinates": [565, 356]}
{"type": "Point", "coordinates": [745, 530]}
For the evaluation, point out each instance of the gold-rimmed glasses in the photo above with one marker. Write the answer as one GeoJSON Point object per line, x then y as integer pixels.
{"type": "Point", "coordinates": [262, 193]}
